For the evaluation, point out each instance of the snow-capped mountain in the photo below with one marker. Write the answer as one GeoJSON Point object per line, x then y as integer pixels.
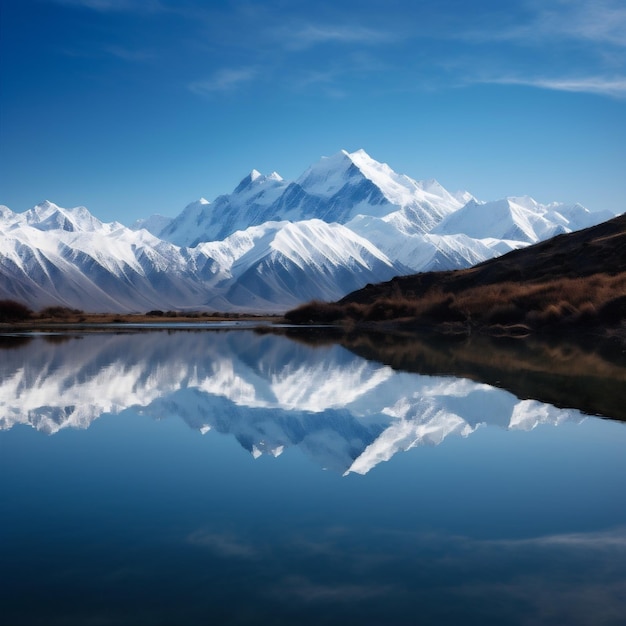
{"type": "Point", "coordinates": [153, 224]}
{"type": "Point", "coordinates": [271, 244]}
{"type": "Point", "coordinates": [518, 219]}
{"type": "Point", "coordinates": [93, 266]}
{"type": "Point", "coordinates": [295, 262]}
{"type": "Point", "coordinates": [107, 267]}
{"type": "Point", "coordinates": [336, 189]}
{"type": "Point", "coordinates": [344, 412]}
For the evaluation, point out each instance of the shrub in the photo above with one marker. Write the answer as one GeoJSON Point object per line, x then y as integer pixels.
{"type": "Point", "coordinates": [316, 311]}
{"type": "Point", "coordinates": [587, 313]}
{"type": "Point", "coordinates": [58, 311]}
{"type": "Point", "coordinates": [613, 311]}
{"type": "Point", "coordinates": [13, 311]}
{"type": "Point", "coordinates": [444, 310]}
{"type": "Point", "coordinates": [508, 313]}
{"type": "Point", "coordinates": [552, 314]}
{"type": "Point", "coordinates": [391, 308]}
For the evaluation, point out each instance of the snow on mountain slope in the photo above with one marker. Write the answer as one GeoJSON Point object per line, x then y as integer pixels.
{"type": "Point", "coordinates": [426, 252]}
{"type": "Point", "coordinates": [249, 205]}
{"type": "Point", "coordinates": [315, 242]}
{"type": "Point", "coordinates": [502, 219]}
{"type": "Point", "coordinates": [575, 216]}
{"type": "Point", "coordinates": [108, 267]}
{"type": "Point", "coordinates": [344, 412]}
{"type": "Point", "coordinates": [50, 257]}
{"type": "Point", "coordinates": [153, 224]}
{"type": "Point", "coordinates": [434, 201]}
{"type": "Point", "coordinates": [519, 219]}
{"type": "Point", "coordinates": [48, 216]}
{"type": "Point", "coordinates": [306, 260]}
{"type": "Point", "coordinates": [332, 175]}
{"type": "Point", "coordinates": [335, 189]}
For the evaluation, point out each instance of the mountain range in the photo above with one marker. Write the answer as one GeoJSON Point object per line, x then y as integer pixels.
{"type": "Point", "coordinates": [271, 244]}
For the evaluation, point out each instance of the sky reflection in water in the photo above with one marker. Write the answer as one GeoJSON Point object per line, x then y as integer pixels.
{"type": "Point", "coordinates": [137, 518]}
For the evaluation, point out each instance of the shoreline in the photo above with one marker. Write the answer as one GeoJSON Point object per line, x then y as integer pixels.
{"type": "Point", "coordinates": [135, 321]}
{"type": "Point", "coordinates": [232, 321]}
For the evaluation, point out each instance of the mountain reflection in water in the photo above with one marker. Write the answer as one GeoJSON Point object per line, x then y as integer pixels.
{"type": "Point", "coordinates": [146, 522]}
{"type": "Point", "coordinates": [344, 408]}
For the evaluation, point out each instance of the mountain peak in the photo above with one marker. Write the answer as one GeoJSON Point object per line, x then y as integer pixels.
{"type": "Point", "coordinates": [360, 153]}
{"type": "Point", "coordinates": [47, 205]}
{"type": "Point", "coordinates": [252, 177]}
{"type": "Point", "coordinates": [326, 177]}
{"type": "Point", "coordinates": [5, 212]}
{"type": "Point", "coordinates": [524, 201]}
{"type": "Point", "coordinates": [47, 216]}
{"type": "Point", "coordinates": [431, 183]}
{"type": "Point", "coordinates": [198, 203]}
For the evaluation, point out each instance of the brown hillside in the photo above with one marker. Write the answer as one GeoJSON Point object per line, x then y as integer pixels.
{"type": "Point", "coordinates": [574, 279]}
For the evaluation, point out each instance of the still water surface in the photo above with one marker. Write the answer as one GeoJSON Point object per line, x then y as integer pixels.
{"type": "Point", "coordinates": [245, 478]}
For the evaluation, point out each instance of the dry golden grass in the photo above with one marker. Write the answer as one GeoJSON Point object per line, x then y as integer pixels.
{"type": "Point", "coordinates": [596, 300]}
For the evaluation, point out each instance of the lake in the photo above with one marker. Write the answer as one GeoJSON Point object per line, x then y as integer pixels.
{"type": "Point", "coordinates": [244, 477]}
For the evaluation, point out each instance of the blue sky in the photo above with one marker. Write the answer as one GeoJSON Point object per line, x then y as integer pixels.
{"type": "Point", "coordinates": [132, 107]}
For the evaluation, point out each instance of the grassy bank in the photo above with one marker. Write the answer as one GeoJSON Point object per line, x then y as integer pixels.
{"type": "Point", "coordinates": [15, 314]}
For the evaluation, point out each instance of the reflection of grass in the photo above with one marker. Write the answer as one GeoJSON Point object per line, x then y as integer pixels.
{"type": "Point", "coordinates": [586, 374]}
{"type": "Point", "coordinates": [8, 342]}
{"type": "Point", "coordinates": [571, 281]}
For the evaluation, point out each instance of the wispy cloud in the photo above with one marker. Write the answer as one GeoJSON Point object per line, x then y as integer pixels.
{"type": "Point", "coordinates": [127, 54]}
{"type": "Point", "coordinates": [223, 544]}
{"type": "Point", "coordinates": [610, 538]}
{"type": "Point", "coordinates": [601, 21]}
{"type": "Point", "coordinates": [557, 36]}
{"type": "Point", "coordinates": [606, 539]}
{"type": "Point", "coordinates": [309, 35]}
{"type": "Point", "coordinates": [598, 22]}
{"type": "Point", "coordinates": [327, 82]}
{"type": "Point", "coordinates": [305, 590]}
{"type": "Point", "coordinates": [224, 80]}
{"type": "Point", "coordinates": [142, 6]}
{"type": "Point", "coordinates": [613, 87]}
